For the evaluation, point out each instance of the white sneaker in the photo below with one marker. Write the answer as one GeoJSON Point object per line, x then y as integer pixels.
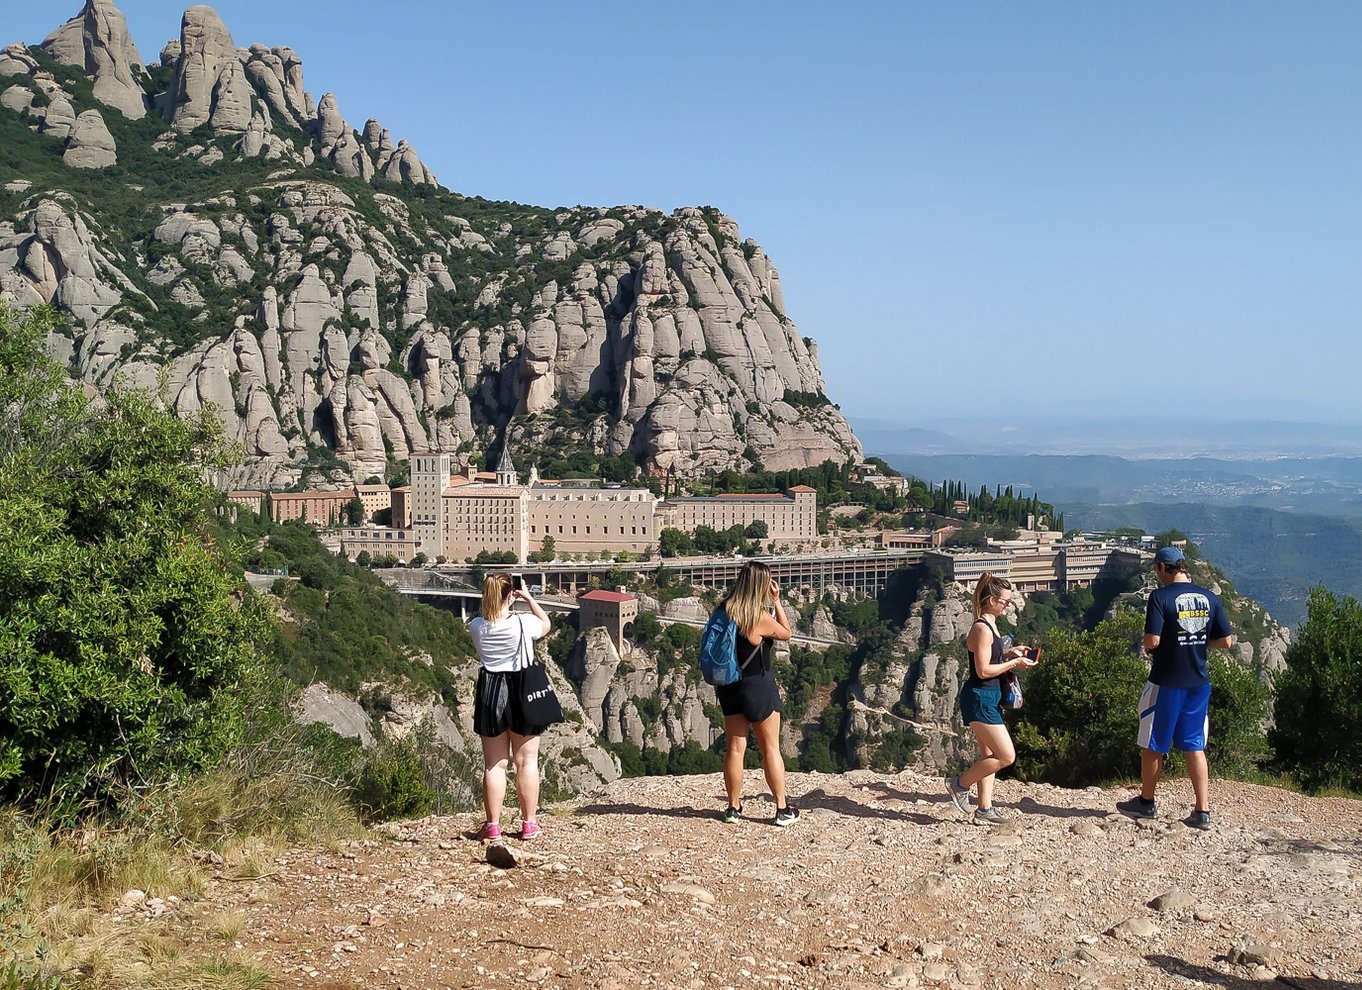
{"type": "Point", "coordinates": [960, 795]}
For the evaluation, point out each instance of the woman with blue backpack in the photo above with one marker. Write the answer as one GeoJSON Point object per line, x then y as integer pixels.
{"type": "Point", "coordinates": [752, 619]}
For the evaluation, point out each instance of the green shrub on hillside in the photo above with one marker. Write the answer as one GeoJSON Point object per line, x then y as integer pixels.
{"type": "Point", "coordinates": [1237, 746]}
{"type": "Point", "coordinates": [392, 784]}
{"type": "Point", "coordinates": [129, 647]}
{"type": "Point", "coordinates": [345, 626]}
{"type": "Point", "coordinates": [1079, 723]}
{"type": "Point", "coordinates": [1318, 735]}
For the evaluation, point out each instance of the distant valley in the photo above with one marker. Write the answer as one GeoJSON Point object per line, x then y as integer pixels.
{"type": "Point", "coordinates": [1273, 557]}
{"type": "Point", "coordinates": [1276, 527]}
{"type": "Point", "coordinates": [1131, 437]}
{"type": "Point", "coordinates": [1323, 485]}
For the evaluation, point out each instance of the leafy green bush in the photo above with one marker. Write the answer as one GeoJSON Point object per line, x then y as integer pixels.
{"type": "Point", "coordinates": [392, 784]}
{"type": "Point", "coordinates": [1082, 701]}
{"type": "Point", "coordinates": [692, 758]}
{"type": "Point", "coordinates": [130, 648]}
{"type": "Point", "coordinates": [808, 400]}
{"type": "Point", "coordinates": [1237, 746]}
{"type": "Point", "coordinates": [1318, 734]}
{"type": "Point", "coordinates": [1082, 709]}
{"type": "Point", "coordinates": [15, 977]}
{"type": "Point", "coordinates": [675, 543]}
{"type": "Point", "coordinates": [896, 750]}
{"type": "Point", "coordinates": [646, 627]}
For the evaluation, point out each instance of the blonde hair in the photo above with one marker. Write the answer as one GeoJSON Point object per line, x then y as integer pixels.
{"type": "Point", "coordinates": [496, 588]}
{"type": "Point", "coordinates": [989, 586]}
{"type": "Point", "coordinates": [746, 600]}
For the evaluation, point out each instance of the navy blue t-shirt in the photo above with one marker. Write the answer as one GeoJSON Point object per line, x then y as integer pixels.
{"type": "Point", "coordinates": [1185, 617]}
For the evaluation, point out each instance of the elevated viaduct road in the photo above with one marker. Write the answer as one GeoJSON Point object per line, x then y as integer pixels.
{"type": "Point", "coordinates": [466, 602]}
{"type": "Point", "coordinates": [863, 571]}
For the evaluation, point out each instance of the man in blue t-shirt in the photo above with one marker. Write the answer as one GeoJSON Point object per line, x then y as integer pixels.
{"type": "Point", "coordinates": [1181, 621]}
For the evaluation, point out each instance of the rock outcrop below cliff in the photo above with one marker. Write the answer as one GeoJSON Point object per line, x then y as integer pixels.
{"type": "Point", "coordinates": [579, 763]}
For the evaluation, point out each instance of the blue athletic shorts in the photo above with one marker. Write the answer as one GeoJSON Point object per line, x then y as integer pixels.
{"type": "Point", "coordinates": [1174, 718]}
{"type": "Point", "coordinates": [982, 703]}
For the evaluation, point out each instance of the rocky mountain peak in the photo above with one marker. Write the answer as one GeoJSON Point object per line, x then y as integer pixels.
{"type": "Point", "coordinates": [97, 42]}
{"type": "Point", "coordinates": [295, 281]}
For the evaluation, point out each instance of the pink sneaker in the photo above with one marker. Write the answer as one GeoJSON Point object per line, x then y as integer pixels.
{"type": "Point", "coordinates": [489, 831]}
{"type": "Point", "coordinates": [529, 830]}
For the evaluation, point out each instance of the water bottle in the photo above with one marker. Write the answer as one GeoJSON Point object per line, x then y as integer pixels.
{"type": "Point", "coordinates": [1011, 686]}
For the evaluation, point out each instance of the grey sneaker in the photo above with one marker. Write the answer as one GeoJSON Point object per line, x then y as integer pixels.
{"type": "Point", "coordinates": [787, 815]}
{"type": "Point", "coordinates": [1200, 820]}
{"type": "Point", "coordinates": [1138, 807]}
{"type": "Point", "coordinates": [732, 815]}
{"type": "Point", "coordinates": [990, 816]}
{"type": "Point", "coordinates": [960, 795]}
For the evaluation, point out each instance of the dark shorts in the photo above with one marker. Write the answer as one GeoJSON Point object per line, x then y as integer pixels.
{"type": "Point", "coordinates": [495, 705]}
{"type": "Point", "coordinates": [755, 698]}
{"type": "Point", "coordinates": [982, 703]}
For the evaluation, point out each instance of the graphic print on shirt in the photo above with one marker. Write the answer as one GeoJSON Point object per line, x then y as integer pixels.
{"type": "Point", "coordinates": [1194, 615]}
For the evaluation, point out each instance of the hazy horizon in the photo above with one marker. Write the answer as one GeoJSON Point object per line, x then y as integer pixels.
{"type": "Point", "coordinates": [1148, 436]}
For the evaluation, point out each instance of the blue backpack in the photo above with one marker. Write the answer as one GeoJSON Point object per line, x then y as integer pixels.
{"type": "Point", "coordinates": [719, 651]}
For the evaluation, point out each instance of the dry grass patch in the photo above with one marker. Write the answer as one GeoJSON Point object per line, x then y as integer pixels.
{"type": "Point", "coordinates": [61, 888]}
{"type": "Point", "coordinates": [229, 925]}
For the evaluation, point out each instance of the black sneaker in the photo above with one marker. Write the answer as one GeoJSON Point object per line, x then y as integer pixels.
{"type": "Point", "coordinates": [1138, 807]}
{"type": "Point", "coordinates": [732, 815]}
{"type": "Point", "coordinates": [1200, 820]}
{"type": "Point", "coordinates": [787, 815]}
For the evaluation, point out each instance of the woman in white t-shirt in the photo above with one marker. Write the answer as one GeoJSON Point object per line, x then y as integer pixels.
{"type": "Point", "coordinates": [505, 644]}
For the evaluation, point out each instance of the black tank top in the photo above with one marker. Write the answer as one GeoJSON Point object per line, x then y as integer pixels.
{"type": "Point", "coordinates": [996, 656]}
{"type": "Point", "coordinates": [759, 663]}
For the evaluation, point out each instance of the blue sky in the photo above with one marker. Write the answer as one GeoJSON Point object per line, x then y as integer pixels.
{"type": "Point", "coordinates": [1037, 208]}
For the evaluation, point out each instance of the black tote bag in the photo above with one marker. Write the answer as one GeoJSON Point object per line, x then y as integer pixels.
{"type": "Point", "coordinates": [539, 706]}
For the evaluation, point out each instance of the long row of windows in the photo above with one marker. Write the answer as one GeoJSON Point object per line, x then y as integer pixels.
{"type": "Point", "coordinates": [593, 497]}
{"type": "Point", "coordinates": [605, 530]}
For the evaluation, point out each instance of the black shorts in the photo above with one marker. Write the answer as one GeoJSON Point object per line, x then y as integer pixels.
{"type": "Point", "coordinates": [496, 706]}
{"type": "Point", "coordinates": [755, 698]}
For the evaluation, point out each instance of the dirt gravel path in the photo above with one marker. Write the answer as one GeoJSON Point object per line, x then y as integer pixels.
{"type": "Point", "coordinates": [879, 885]}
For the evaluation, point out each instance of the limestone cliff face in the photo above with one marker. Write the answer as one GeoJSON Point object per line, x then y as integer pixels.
{"type": "Point", "coordinates": [627, 699]}
{"type": "Point", "coordinates": [321, 289]}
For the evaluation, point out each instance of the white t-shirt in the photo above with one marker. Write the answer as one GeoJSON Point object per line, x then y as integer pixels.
{"type": "Point", "coordinates": [499, 642]}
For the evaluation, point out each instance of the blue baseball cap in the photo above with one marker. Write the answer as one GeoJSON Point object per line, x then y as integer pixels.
{"type": "Point", "coordinates": [1168, 556]}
